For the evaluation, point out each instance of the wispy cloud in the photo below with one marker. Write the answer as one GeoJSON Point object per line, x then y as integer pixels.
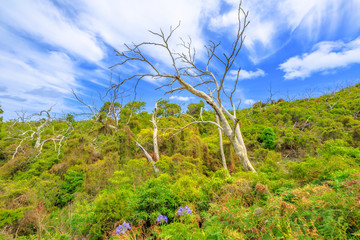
{"type": "Point", "coordinates": [116, 23]}
{"type": "Point", "coordinates": [272, 21]}
{"type": "Point", "coordinates": [324, 57]}
{"type": "Point", "coordinates": [14, 98]}
{"type": "Point", "coordinates": [246, 74]}
{"type": "Point", "coordinates": [44, 22]}
{"type": "Point", "coordinates": [180, 98]}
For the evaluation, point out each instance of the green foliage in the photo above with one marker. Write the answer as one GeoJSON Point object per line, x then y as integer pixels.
{"type": "Point", "coordinates": [181, 231]}
{"type": "Point", "coordinates": [179, 165]}
{"type": "Point", "coordinates": [9, 216]}
{"type": "Point", "coordinates": [73, 182]}
{"type": "Point", "coordinates": [135, 106]}
{"type": "Point", "coordinates": [70, 118]}
{"type": "Point", "coordinates": [166, 109]}
{"type": "Point", "coordinates": [306, 185]}
{"type": "Point", "coordinates": [153, 199]}
{"type": "Point", "coordinates": [268, 137]}
{"type": "Point", "coordinates": [194, 108]}
{"type": "Point", "coordinates": [110, 206]}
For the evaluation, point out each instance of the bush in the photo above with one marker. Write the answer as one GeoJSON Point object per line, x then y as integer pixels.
{"type": "Point", "coordinates": [73, 182]}
{"type": "Point", "coordinates": [153, 199]}
{"type": "Point", "coordinates": [268, 138]}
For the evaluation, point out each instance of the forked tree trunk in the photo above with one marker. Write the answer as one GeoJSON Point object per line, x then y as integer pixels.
{"type": "Point", "coordinates": [155, 143]}
{"type": "Point", "coordinates": [233, 134]}
{"type": "Point", "coordinates": [148, 157]}
{"type": "Point", "coordinates": [239, 146]}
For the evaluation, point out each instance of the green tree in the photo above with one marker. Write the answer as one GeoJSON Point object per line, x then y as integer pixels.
{"type": "Point", "coordinates": [135, 106]}
{"type": "Point", "coordinates": [166, 109]}
{"type": "Point", "coordinates": [194, 108]}
{"type": "Point", "coordinates": [70, 118]}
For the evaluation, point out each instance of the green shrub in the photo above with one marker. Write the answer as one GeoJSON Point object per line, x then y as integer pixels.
{"type": "Point", "coordinates": [268, 138]}
{"type": "Point", "coordinates": [153, 199]}
{"type": "Point", "coordinates": [73, 182]}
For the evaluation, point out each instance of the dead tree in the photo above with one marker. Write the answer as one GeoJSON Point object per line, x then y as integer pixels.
{"type": "Point", "coordinates": [94, 112]}
{"type": "Point", "coordinates": [271, 100]}
{"type": "Point", "coordinates": [330, 95]}
{"type": "Point", "coordinates": [289, 97]}
{"type": "Point", "coordinates": [22, 116]}
{"type": "Point", "coordinates": [154, 121]}
{"type": "Point", "coordinates": [223, 158]}
{"type": "Point", "coordinates": [187, 74]}
{"type": "Point", "coordinates": [109, 114]}
{"type": "Point", "coordinates": [309, 93]}
{"type": "Point", "coordinates": [36, 128]}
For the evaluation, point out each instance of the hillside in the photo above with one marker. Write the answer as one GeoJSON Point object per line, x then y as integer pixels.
{"type": "Point", "coordinates": [307, 185]}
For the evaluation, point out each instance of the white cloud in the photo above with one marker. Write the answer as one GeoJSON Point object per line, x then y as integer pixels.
{"type": "Point", "coordinates": [180, 98]}
{"type": "Point", "coordinates": [324, 57]}
{"type": "Point", "coordinates": [33, 79]}
{"type": "Point", "coordinates": [119, 22]}
{"type": "Point", "coordinates": [43, 21]}
{"type": "Point", "coordinates": [272, 21]}
{"type": "Point", "coordinates": [249, 101]}
{"type": "Point", "coordinates": [247, 74]}
{"type": "Point", "coordinates": [43, 79]}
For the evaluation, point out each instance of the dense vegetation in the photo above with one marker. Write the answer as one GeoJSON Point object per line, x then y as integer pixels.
{"type": "Point", "coordinates": [307, 184]}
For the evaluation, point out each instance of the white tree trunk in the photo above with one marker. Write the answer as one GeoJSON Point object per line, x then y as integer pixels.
{"type": "Point", "coordinates": [223, 159]}
{"type": "Point", "coordinates": [38, 140]}
{"type": "Point", "coordinates": [148, 157]}
{"type": "Point", "coordinates": [234, 135]}
{"type": "Point", "coordinates": [155, 134]}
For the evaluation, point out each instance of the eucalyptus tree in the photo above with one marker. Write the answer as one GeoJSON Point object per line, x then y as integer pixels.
{"type": "Point", "coordinates": [204, 79]}
{"type": "Point", "coordinates": [43, 131]}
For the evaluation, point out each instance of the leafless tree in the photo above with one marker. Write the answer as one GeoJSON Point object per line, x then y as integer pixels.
{"type": "Point", "coordinates": [289, 97]}
{"type": "Point", "coordinates": [309, 93]}
{"type": "Point", "coordinates": [152, 160]}
{"type": "Point", "coordinates": [36, 128]}
{"type": "Point", "coordinates": [109, 114]}
{"type": "Point", "coordinates": [189, 75]}
{"type": "Point", "coordinates": [271, 95]}
{"type": "Point", "coordinates": [330, 96]}
{"type": "Point", "coordinates": [22, 116]}
{"type": "Point", "coordinates": [94, 112]}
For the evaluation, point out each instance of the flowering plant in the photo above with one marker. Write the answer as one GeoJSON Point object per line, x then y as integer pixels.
{"type": "Point", "coordinates": [184, 210]}
{"type": "Point", "coordinates": [162, 219]}
{"type": "Point", "coordinates": [122, 228]}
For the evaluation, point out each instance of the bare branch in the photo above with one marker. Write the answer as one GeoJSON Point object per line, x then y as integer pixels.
{"type": "Point", "coordinates": [192, 77]}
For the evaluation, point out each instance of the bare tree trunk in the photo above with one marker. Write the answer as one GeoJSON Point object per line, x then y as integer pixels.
{"type": "Point", "coordinates": [38, 140]}
{"type": "Point", "coordinates": [240, 151]}
{"type": "Point", "coordinates": [148, 157]}
{"type": "Point", "coordinates": [234, 135]}
{"type": "Point", "coordinates": [223, 159]}
{"type": "Point", "coordinates": [189, 73]}
{"type": "Point", "coordinates": [237, 143]}
{"type": "Point", "coordinates": [243, 147]}
{"type": "Point", "coordinates": [155, 134]}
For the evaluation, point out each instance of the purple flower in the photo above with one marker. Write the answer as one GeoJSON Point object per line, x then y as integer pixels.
{"type": "Point", "coordinates": [162, 219]}
{"type": "Point", "coordinates": [184, 210]}
{"type": "Point", "coordinates": [122, 228]}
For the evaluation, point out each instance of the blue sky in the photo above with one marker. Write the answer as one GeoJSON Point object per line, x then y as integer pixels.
{"type": "Point", "coordinates": [50, 47]}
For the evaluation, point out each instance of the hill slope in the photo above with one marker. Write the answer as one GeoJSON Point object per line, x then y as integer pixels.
{"type": "Point", "coordinates": [307, 185]}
